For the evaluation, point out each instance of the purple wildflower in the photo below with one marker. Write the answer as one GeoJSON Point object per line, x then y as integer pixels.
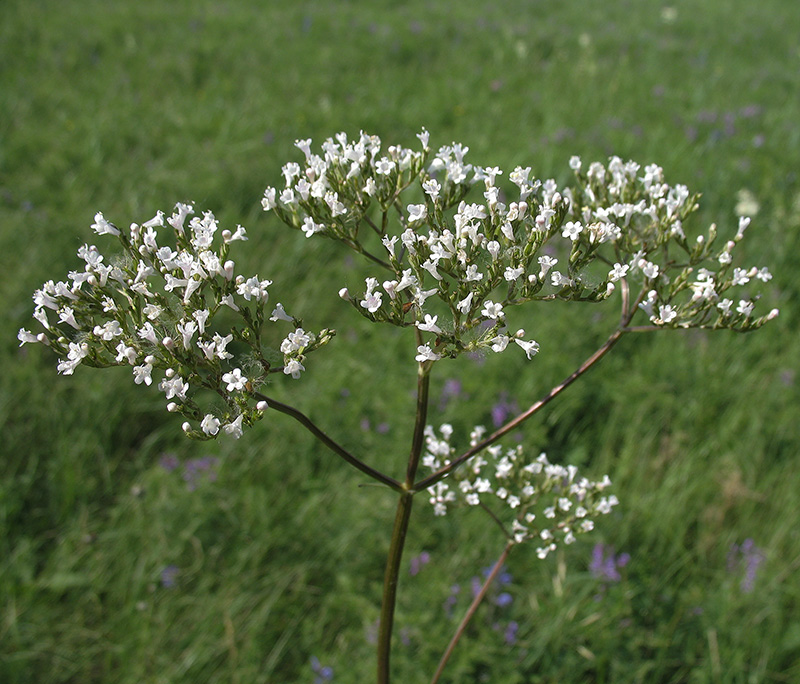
{"type": "Point", "coordinates": [746, 556]}
{"type": "Point", "coordinates": [169, 576]}
{"type": "Point", "coordinates": [503, 409]}
{"type": "Point", "coordinates": [324, 674]}
{"type": "Point", "coordinates": [451, 391]}
{"type": "Point", "coordinates": [169, 462]}
{"type": "Point", "coordinates": [504, 599]}
{"type": "Point", "coordinates": [417, 562]}
{"type": "Point", "coordinates": [194, 470]}
{"type": "Point", "coordinates": [475, 584]}
{"type": "Point", "coordinates": [451, 600]}
{"type": "Point", "coordinates": [606, 567]}
{"type": "Point", "coordinates": [511, 633]}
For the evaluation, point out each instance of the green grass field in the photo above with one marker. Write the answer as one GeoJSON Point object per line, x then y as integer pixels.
{"type": "Point", "coordinates": [130, 554]}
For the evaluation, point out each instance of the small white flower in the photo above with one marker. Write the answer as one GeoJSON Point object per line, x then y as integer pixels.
{"type": "Point", "coordinates": [240, 234]}
{"type": "Point", "coordinates": [740, 277]}
{"type": "Point", "coordinates": [417, 212]}
{"type": "Point", "coordinates": [545, 264]}
{"type": "Point", "coordinates": [279, 314]}
{"type": "Point", "coordinates": [572, 229]}
{"type": "Point", "coordinates": [465, 304]}
{"type": "Point", "coordinates": [666, 314]}
{"type": "Point", "coordinates": [227, 300]}
{"type": "Point", "coordinates": [235, 380]}
{"type": "Point", "coordinates": [500, 343]}
{"type": "Point", "coordinates": [493, 311]}
{"type": "Point", "coordinates": [725, 306]}
{"type": "Point", "coordinates": [384, 166]}
{"type": "Point", "coordinates": [530, 348]}
{"type": "Point", "coordinates": [295, 341]}
{"type": "Point", "coordinates": [512, 274]}
{"type": "Point", "coordinates": [235, 428]}
{"type": "Point", "coordinates": [649, 269]}
{"type": "Point", "coordinates": [744, 222]}
{"type": "Point", "coordinates": [429, 325]}
{"type": "Point", "coordinates": [309, 227]}
{"type": "Point", "coordinates": [102, 227]}
{"type": "Point", "coordinates": [142, 374]}
{"type": "Point", "coordinates": [67, 315]}
{"type": "Point", "coordinates": [293, 368]}
{"type": "Point", "coordinates": [619, 271]}
{"type": "Point", "coordinates": [210, 424]}
{"type": "Point", "coordinates": [425, 353]}
{"type": "Point", "coordinates": [432, 188]}
{"type": "Point", "coordinates": [26, 336]}
{"type": "Point", "coordinates": [372, 301]}
{"type": "Point", "coordinates": [745, 307]}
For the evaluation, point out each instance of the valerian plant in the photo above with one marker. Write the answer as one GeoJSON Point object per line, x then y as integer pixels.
{"type": "Point", "coordinates": [172, 306]}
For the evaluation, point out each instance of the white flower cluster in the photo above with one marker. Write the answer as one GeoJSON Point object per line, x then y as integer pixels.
{"type": "Point", "coordinates": [162, 305]}
{"type": "Point", "coordinates": [457, 267]}
{"type": "Point", "coordinates": [534, 501]}
{"type": "Point", "coordinates": [644, 217]}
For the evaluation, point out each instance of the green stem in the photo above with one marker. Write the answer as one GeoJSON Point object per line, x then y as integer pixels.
{"type": "Point", "coordinates": [471, 611]}
{"type": "Point", "coordinates": [510, 425]}
{"type": "Point", "coordinates": [401, 520]}
{"type": "Point", "coordinates": [399, 531]}
{"type": "Point", "coordinates": [331, 444]}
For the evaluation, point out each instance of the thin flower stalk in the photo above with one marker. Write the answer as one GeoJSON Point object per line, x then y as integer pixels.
{"type": "Point", "coordinates": [471, 611]}
{"type": "Point", "coordinates": [334, 446]}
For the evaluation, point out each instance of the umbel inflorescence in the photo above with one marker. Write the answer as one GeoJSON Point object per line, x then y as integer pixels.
{"type": "Point", "coordinates": [531, 500]}
{"type": "Point", "coordinates": [172, 303]}
{"type": "Point", "coordinates": [477, 260]}
{"type": "Point", "coordinates": [452, 267]}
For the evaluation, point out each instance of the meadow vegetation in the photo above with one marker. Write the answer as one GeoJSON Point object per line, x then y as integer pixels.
{"type": "Point", "coordinates": [131, 554]}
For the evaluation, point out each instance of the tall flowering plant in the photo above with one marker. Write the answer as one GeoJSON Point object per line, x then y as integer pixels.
{"type": "Point", "coordinates": [456, 248]}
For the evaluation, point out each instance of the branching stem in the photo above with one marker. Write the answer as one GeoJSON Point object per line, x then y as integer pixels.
{"type": "Point", "coordinates": [627, 315]}
{"type": "Point", "coordinates": [334, 446]}
{"type": "Point", "coordinates": [471, 611]}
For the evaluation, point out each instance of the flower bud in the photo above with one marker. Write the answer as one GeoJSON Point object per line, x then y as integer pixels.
{"type": "Point", "coordinates": [227, 270]}
{"type": "Point", "coordinates": [186, 427]}
{"type": "Point", "coordinates": [172, 407]}
{"type": "Point", "coordinates": [262, 406]}
{"type": "Point", "coordinates": [168, 343]}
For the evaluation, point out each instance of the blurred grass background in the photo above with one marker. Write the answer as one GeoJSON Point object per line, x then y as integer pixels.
{"type": "Point", "coordinates": [129, 554]}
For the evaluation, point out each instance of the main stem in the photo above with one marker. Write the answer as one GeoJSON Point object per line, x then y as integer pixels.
{"type": "Point", "coordinates": [400, 529]}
